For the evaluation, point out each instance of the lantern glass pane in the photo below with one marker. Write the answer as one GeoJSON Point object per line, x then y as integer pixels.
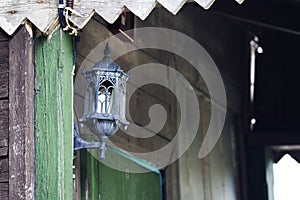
{"type": "Point", "coordinates": [89, 100]}
{"type": "Point", "coordinates": [106, 98]}
{"type": "Point", "coordinates": [101, 100]}
{"type": "Point", "coordinates": [111, 100]}
{"type": "Point", "coordinates": [122, 101]}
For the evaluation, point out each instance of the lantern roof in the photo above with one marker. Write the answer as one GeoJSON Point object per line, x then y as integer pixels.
{"type": "Point", "coordinates": [106, 64]}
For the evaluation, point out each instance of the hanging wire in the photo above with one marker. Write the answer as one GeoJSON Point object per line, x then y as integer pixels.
{"type": "Point", "coordinates": [61, 18]}
{"type": "Point", "coordinates": [64, 13]}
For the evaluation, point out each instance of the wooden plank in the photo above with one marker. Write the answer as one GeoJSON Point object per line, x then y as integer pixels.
{"type": "Point", "coordinates": [172, 187]}
{"type": "Point", "coordinates": [21, 113]}
{"type": "Point", "coordinates": [3, 119]}
{"type": "Point", "coordinates": [53, 117]}
{"type": "Point", "coordinates": [4, 170]}
{"type": "Point", "coordinates": [4, 52]}
{"type": "Point", "coordinates": [3, 80]}
{"type": "Point", "coordinates": [4, 191]}
{"type": "Point", "coordinates": [3, 65]}
{"type": "Point", "coordinates": [3, 147]}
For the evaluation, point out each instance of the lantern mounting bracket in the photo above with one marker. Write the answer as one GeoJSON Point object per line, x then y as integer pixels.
{"type": "Point", "coordinates": [80, 144]}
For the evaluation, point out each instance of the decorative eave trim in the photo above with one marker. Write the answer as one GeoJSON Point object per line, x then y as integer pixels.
{"type": "Point", "coordinates": [43, 13]}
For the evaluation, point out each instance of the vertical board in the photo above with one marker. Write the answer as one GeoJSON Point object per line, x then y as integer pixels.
{"type": "Point", "coordinates": [99, 181]}
{"type": "Point", "coordinates": [3, 129]}
{"type": "Point", "coordinates": [53, 117]}
{"type": "Point", "coordinates": [3, 86]}
{"type": "Point", "coordinates": [21, 114]}
{"type": "Point", "coordinates": [3, 115]}
{"type": "Point", "coordinates": [4, 178]}
{"type": "Point", "coordinates": [4, 69]}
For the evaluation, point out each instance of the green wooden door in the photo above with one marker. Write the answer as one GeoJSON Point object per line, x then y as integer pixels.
{"type": "Point", "coordinates": [99, 181]}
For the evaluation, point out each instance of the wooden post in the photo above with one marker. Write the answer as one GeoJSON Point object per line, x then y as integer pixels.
{"type": "Point", "coordinates": [21, 112]}
{"type": "Point", "coordinates": [53, 117]}
{"type": "Point", "coordinates": [4, 40]}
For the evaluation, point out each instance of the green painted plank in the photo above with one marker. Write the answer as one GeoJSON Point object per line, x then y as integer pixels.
{"type": "Point", "coordinates": [106, 183]}
{"type": "Point", "coordinates": [53, 117]}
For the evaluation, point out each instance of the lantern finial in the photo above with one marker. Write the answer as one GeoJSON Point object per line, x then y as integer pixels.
{"type": "Point", "coordinates": [106, 51]}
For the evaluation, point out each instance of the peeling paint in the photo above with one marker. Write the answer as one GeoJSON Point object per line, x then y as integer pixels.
{"type": "Point", "coordinates": [53, 111]}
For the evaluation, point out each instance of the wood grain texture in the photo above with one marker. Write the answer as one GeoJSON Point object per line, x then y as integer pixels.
{"type": "Point", "coordinates": [3, 191]}
{"type": "Point", "coordinates": [4, 80]}
{"type": "Point", "coordinates": [4, 170]}
{"type": "Point", "coordinates": [14, 13]}
{"type": "Point", "coordinates": [3, 65]}
{"type": "Point", "coordinates": [21, 112]}
{"type": "Point", "coordinates": [3, 115]}
{"type": "Point", "coordinates": [3, 119]}
{"type": "Point", "coordinates": [53, 117]}
{"type": "Point", "coordinates": [4, 51]}
{"type": "Point", "coordinates": [3, 147]}
{"type": "Point", "coordinates": [172, 189]}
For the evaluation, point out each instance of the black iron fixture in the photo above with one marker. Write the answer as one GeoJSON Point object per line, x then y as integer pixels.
{"type": "Point", "coordinates": [104, 103]}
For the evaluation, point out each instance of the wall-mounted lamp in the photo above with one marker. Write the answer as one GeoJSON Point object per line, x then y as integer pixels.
{"type": "Point", "coordinates": [104, 102]}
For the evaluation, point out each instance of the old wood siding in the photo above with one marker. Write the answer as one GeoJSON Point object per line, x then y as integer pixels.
{"type": "Point", "coordinates": [53, 117]}
{"type": "Point", "coordinates": [16, 115]}
{"type": "Point", "coordinates": [215, 177]}
{"type": "Point", "coordinates": [3, 115]}
{"type": "Point", "coordinates": [21, 112]}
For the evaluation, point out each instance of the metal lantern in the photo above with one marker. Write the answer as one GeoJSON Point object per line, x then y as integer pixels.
{"type": "Point", "coordinates": [104, 99]}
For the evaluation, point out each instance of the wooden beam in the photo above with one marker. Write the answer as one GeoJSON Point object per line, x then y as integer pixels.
{"type": "Point", "coordinates": [3, 52]}
{"type": "Point", "coordinates": [3, 65]}
{"type": "Point", "coordinates": [4, 171]}
{"type": "Point", "coordinates": [21, 113]}
{"type": "Point", "coordinates": [4, 80]}
{"type": "Point", "coordinates": [3, 115]}
{"type": "Point", "coordinates": [3, 191]}
{"type": "Point", "coordinates": [3, 147]}
{"type": "Point", "coordinates": [172, 185]}
{"type": "Point", "coordinates": [53, 117]}
{"type": "Point", "coordinates": [3, 119]}
{"type": "Point", "coordinates": [273, 138]}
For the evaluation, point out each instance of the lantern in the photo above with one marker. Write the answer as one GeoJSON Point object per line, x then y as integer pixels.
{"type": "Point", "coordinates": [104, 99]}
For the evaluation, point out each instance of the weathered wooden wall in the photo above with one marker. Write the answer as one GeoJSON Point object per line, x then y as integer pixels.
{"type": "Point", "coordinates": [217, 176]}
{"type": "Point", "coordinates": [21, 112]}
{"type": "Point", "coordinates": [49, 176]}
{"type": "Point", "coordinates": [53, 117]}
{"type": "Point", "coordinates": [16, 115]}
{"type": "Point", "coordinates": [4, 52]}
